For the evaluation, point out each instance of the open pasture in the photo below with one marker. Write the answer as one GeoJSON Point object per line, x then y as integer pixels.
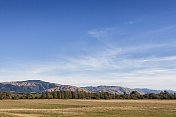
{"type": "Point", "coordinates": [87, 108]}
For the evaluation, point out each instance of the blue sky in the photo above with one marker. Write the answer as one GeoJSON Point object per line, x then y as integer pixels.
{"type": "Point", "coordinates": [89, 42]}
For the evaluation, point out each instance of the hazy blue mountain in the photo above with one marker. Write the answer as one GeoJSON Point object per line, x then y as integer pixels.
{"type": "Point", "coordinates": [145, 90]}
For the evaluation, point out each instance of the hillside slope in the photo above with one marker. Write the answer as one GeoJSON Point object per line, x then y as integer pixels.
{"type": "Point", "coordinates": [37, 86]}
{"type": "Point", "coordinates": [110, 89]}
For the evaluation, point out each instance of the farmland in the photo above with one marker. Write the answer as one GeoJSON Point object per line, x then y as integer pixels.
{"type": "Point", "coordinates": [87, 108]}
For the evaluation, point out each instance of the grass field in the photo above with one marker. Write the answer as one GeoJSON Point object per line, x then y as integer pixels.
{"type": "Point", "coordinates": [88, 108]}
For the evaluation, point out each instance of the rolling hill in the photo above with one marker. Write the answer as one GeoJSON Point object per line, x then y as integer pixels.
{"type": "Point", "coordinates": [110, 89]}
{"type": "Point", "coordinates": [38, 86]}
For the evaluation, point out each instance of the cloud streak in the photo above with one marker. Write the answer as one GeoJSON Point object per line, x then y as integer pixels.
{"type": "Point", "coordinates": [107, 67]}
{"type": "Point", "coordinates": [113, 65]}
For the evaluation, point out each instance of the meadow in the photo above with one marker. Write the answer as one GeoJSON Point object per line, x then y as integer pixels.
{"type": "Point", "coordinates": [87, 108]}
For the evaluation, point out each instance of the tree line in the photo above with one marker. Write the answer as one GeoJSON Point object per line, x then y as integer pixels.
{"type": "Point", "coordinates": [86, 95]}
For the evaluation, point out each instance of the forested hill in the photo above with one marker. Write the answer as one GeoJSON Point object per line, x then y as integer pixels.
{"type": "Point", "coordinates": [38, 86]}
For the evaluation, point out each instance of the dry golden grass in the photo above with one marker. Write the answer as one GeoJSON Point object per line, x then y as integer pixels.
{"type": "Point", "coordinates": [87, 108]}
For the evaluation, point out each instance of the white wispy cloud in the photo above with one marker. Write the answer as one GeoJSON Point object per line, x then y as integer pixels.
{"type": "Point", "coordinates": [113, 65]}
{"type": "Point", "coordinates": [107, 68]}
{"type": "Point", "coordinates": [134, 21]}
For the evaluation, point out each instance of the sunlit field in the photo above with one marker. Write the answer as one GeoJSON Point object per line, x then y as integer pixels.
{"type": "Point", "coordinates": [87, 108]}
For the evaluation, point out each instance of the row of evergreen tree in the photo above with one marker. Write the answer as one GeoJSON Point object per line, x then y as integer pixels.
{"type": "Point", "coordinates": [86, 95]}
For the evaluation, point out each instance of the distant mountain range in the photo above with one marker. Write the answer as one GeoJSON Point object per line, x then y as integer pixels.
{"type": "Point", "coordinates": [110, 89]}
{"type": "Point", "coordinates": [38, 86]}
{"type": "Point", "coordinates": [145, 90]}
